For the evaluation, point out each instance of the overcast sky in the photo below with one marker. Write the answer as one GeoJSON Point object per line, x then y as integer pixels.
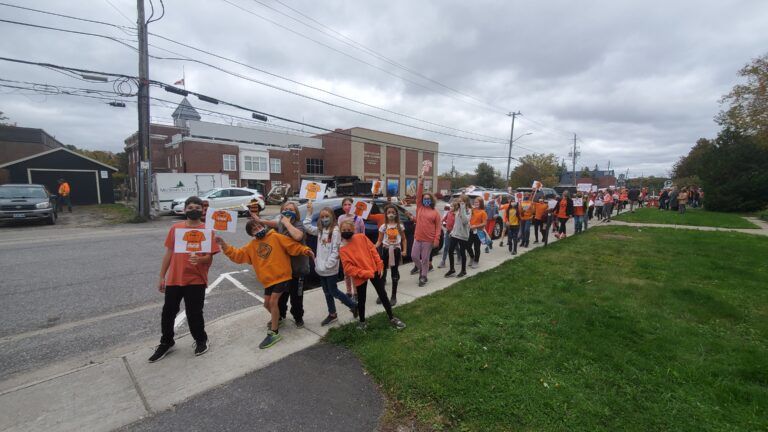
{"type": "Point", "coordinates": [637, 81]}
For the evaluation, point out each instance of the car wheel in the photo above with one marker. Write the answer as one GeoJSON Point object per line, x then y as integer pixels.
{"type": "Point", "coordinates": [497, 227]}
{"type": "Point", "coordinates": [51, 219]}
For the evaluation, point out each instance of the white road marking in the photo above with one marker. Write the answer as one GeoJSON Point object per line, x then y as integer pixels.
{"type": "Point", "coordinates": [238, 284]}
{"type": "Point", "coordinates": [182, 316]}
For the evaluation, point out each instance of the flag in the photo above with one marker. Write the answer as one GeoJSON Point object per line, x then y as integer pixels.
{"type": "Point", "coordinates": [536, 185]}
{"type": "Point", "coordinates": [179, 82]}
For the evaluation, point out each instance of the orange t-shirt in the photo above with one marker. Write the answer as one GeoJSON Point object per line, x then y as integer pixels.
{"type": "Point", "coordinates": [64, 189]}
{"type": "Point", "coordinates": [562, 211]}
{"type": "Point", "coordinates": [220, 220]}
{"type": "Point", "coordinates": [578, 210]}
{"type": "Point", "coordinates": [540, 210]}
{"type": "Point", "coordinates": [194, 240]}
{"type": "Point", "coordinates": [526, 210]}
{"type": "Point", "coordinates": [479, 217]}
{"type": "Point", "coordinates": [181, 272]}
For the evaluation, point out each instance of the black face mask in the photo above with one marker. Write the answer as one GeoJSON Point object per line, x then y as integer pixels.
{"type": "Point", "coordinates": [346, 235]}
{"type": "Point", "coordinates": [193, 214]}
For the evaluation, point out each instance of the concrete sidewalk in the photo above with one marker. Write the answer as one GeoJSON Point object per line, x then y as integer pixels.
{"type": "Point", "coordinates": [762, 230]}
{"type": "Point", "coordinates": [107, 395]}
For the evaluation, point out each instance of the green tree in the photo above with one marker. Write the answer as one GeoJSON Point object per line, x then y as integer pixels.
{"type": "Point", "coordinates": [486, 175]}
{"type": "Point", "coordinates": [542, 167]}
{"type": "Point", "coordinates": [691, 164]}
{"type": "Point", "coordinates": [746, 106]}
{"type": "Point", "coordinates": [3, 119]}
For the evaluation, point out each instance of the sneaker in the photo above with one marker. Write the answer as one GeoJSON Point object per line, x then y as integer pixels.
{"type": "Point", "coordinates": [422, 281]}
{"type": "Point", "coordinates": [299, 323]}
{"type": "Point", "coordinates": [329, 319]}
{"type": "Point", "coordinates": [450, 273]}
{"type": "Point", "coordinates": [501, 244]}
{"type": "Point", "coordinates": [279, 323]}
{"type": "Point", "coordinates": [354, 311]}
{"type": "Point", "coordinates": [535, 241]}
{"type": "Point", "coordinates": [396, 323]}
{"type": "Point", "coordinates": [201, 348]}
{"type": "Point", "coordinates": [271, 339]}
{"type": "Point", "coordinates": [487, 250]}
{"type": "Point", "coordinates": [462, 274]}
{"type": "Point", "coordinates": [362, 325]}
{"type": "Point", "coordinates": [378, 300]}
{"type": "Point", "coordinates": [441, 265]}
{"type": "Point", "coordinates": [514, 252]}
{"type": "Point", "coordinates": [490, 245]}
{"type": "Point", "coordinates": [430, 267]}
{"type": "Point", "coordinates": [160, 352]}
{"type": "Point", "coordinates": [393, 301]}
{"type": "Point", "coordinates": [414, 270]}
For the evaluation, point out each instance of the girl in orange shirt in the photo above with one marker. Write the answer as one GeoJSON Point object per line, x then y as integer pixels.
{"type": "Point", "coordinates": [476, 222]}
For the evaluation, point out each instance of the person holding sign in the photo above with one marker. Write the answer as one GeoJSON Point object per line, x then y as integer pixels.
{"type": "Point", "coordinates": [513, 225]}
{"type": "Point", "coordinates": [563, 210]}
{"type": "Point", "coordinates": [270, 255]}
{"type": "Point", "coordinates": [579, 210]}
{"type": "Point", "coordinates": [426, 235]}
{"type": "Point", "coordinates": [349, 214]}
{"type": "Point", "coordinates": [539, 216]}
{"type": "Point", "coordinates": [184, 276]}
{"type": "Point", "coordinates": [527, 211]}
{"type": "Point", "coordinates": [221, 220]}
{"type": "Point", "coordinates": [394, 247]}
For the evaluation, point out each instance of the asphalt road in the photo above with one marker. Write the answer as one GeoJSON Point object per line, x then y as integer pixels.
{"type": "Point", "coordinates": [69, 295]}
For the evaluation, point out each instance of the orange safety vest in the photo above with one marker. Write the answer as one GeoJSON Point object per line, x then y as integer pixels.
{"type": "Point", "coordinates": [64, 189]}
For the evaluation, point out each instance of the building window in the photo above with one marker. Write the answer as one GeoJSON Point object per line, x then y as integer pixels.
{"type": "Point", "coordinates": [315, 166]}
{"type": "Point", "coordinates": [254, 163]}
{"type": "Point", "coordinates": [232, 183]}
{"type": "Point", "coordinates": [275, 166]}
{"type": "Point", "coordinates": [276, 182]}
{"type": "Point", "coordinates": [230, 163]}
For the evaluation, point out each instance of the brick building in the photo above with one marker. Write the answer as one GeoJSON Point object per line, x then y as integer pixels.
{"type": "Point", "coordinates": [260, 159]}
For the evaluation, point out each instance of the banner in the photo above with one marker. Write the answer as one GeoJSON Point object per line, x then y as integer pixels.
{"type": "Point", "coordinates": [426, 166]}
{"type": "Point", "coordinates": [584, 187]}
{"type": "Point", "coordinates": [376, 187]}
{"type": "Point", "coordinates": [191, 240]}
{"type": "Point", "coordinates": [578, 202]}
{"type": "Point", "coordinates": [594, 188]}
{"type": "Point", "coordinates": [221, 220]}
{"type": "Point", "coordinates": [312, 190]}
{"type": "Point", "coordinates": [551, 204]}
{"type": "Point", "coordinates": [361, 208]}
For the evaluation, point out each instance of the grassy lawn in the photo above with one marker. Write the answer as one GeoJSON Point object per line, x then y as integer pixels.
{"type": "Point", "coordinates": [617, 329]}
{"type": "Point", "coordinates": [695, 217]}
{"type": "Point", "coordinates": [110, 213]}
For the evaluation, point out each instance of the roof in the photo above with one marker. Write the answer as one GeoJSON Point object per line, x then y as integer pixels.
{"type": "Point", "coordinates": [185, 111]}
{"type": "Point", "coordinates": [56, 150]}
{"type": "Point", "coordinates": [28, 135]}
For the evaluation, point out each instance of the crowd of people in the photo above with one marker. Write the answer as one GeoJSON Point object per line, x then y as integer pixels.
{"type": "Point", "coordinates": [678, 199]}
{"type": "Point", "coordinates": [278, 251]}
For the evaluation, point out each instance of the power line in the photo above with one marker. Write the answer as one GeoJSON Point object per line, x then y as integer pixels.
{"type": "Point", "coordinates": [119, 11]}
{"type": "Point", "coordinates": [118, 40]}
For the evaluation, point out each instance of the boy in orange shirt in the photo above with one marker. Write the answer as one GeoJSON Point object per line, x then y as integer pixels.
{"type": "Point", "coordinates": [184, 276]}
{"type": "Point", "coordinates": [270, 255]}
{"type": "Point", "coordinates": [362, 263]}
{"type": "Point", "coordinates": [539, 215]}
{"type": "Point", "coordinates": [526, 215]}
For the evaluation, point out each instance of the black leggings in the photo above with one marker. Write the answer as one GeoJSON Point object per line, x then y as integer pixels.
{"type": "Point", "coordinates": [296, 295]}
{"type": "Point", "coordinates": [378, 285]}
{"type": "Point", "coordinates": [395, 268]}
{"type": "Point", "coordinates": [536, 228]}
{"type": "Point", "coordinates": [474, 243]}
{"type": "Point", "coordinates": [462, 245]}
{"type": "Point", "coordinates": [561, 227]}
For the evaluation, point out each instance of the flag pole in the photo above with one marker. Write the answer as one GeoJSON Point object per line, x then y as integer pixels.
{"type": "Point", "coordinates": [183, 78]}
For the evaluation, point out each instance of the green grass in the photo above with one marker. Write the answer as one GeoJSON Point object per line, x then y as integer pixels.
{"type": "Point", "coordinates": [694, 217]}
{"type": "Point", "coordinates": [763, 215]}
{"type": "Point", "coordinates": [614, 330]}
{"type": "Point", "coordinates": [112, 213]}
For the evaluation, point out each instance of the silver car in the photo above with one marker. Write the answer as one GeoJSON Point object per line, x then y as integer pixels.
{"type": "Point", "coordinates": [22, 202]}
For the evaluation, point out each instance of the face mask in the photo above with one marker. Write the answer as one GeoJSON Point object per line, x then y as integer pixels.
{"type": "Point", "coordinates": [391, 216]}
{"type": "Point", "coordinates": [346, 235]}
{"type": "Point", "coordinates": [289, 214]}
{"type": "Point", "coordinates": [427, 202]}
{"type": "Point", "coordinates": [325, 221]}
{"type": "Point", "coordinates": [260, 234]}
{"type": "Point", "coordinates": [476, 205]}
{"type": "Point", "coordinates": [193, 214]}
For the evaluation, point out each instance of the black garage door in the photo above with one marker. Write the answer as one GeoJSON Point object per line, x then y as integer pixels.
{"type": "Point", "coordinates": [82, 184]}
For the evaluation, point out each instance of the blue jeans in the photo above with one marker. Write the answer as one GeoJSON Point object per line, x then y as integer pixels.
{"type": "Point", "coordinates": [512, 237]}
{"type": "Point", "coordinates": [331, 290]}
{"type": "Point", "coordinates": [577, 221]}
{"type": "Point", "coordinates": [447, 239]}
{"type": "Point", "coordinates": [525, 232]}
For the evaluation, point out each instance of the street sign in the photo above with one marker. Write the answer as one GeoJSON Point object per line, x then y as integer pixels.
{"type": "Point", "coordinates": [668, 183]}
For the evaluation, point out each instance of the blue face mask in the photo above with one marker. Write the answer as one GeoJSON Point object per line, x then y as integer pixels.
{"type": "Point", "coordinates": [261, 234]}
{"type": "Point", "coordinates": [427, 202]}
{"type": "Point", "coordinates": [289, 214]}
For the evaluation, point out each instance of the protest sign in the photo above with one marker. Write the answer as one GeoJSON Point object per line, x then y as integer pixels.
{"type": "Point", "coordinates": [551, 204]}
{"type": "Point", "coordinates": [426, 166]}
{"type": "Point", "coordinates": [578, 202]}
{"type": "Point", "coordinates": [312, 190]}
{"type": "Point", "coordinates": [191, 240]}
{"type": "Point", "coordinates": [584, 187]}
{"type": "Point", "coordinates": [376, 187]}
{"type": "Point", "coordinates": [536, 185]}
{"type": "Point", "coordinates": [594, 188]}
{"type": "Point", "coordinates": [361, 208]}
{"type": "Point", "coordinates": [221, 219]}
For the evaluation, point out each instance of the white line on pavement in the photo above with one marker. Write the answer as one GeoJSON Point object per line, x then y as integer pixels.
{"type": "Point", "coordinates": [238, 284]}
{"type": "Point", "coordinates": [182, 316]}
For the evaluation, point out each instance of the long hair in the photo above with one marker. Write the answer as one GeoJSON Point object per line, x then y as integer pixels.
{"type": "Point", "coordinates": [397, 219]}
{"type": "Point", "coordinates": [332, 226]}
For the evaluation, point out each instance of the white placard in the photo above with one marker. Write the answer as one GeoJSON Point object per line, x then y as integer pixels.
{"type": "Point", "coordinates": [426, 166]}
{"type": "Point", "coordinates": [536, 185]}
{"type": "Point", "coordinates": [376, 187]}
{"type": "Point", "coordinates": [312, 190]}
{"type": "Point", "coordinates": [519, 196]}
{"type": "Point", "coordinates": [584, 187]}
{"type": "Point", "coordinates": [594, 188]}
{"type": "Point", "coordinates": [551, 204]}
{"type": "Point", "coordinates": [221, 220]}
{"type": "Point", "coordinates": [361, 208]}
{"type": "Point", "coordinates": [104, 174]}
{"type": "Point", "coordinates": [189, 240]}
{"type": "Point", "coordinates": [578, 202]}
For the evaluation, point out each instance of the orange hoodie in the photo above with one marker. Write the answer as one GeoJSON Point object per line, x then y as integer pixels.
{"type": "Point", "coordinates": [360, 259]}
{"type": "Point", "coordinates": [270, 257]}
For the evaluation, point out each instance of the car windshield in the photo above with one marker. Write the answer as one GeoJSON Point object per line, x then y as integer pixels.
{"type": "Point", "coordinates": [22, 192]}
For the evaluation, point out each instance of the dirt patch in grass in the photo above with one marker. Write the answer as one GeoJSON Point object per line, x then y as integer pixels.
{"type": "Point", "coordinates": [613, 236]}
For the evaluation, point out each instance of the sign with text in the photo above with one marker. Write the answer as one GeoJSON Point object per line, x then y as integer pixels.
{"type": "Point", "coordinates": [192, 240]}
{"type": "Point", "coordinates": [578, 202]}
{"type": "Point", "coordinates": [584, 187]}
{"type": "Point", "coordinates": [536, 185]}
{"type": "Point", "coordinates": [551, 204]}
{"type": "Point", "coordinates": [312, 190]}
{"type": "Point", "coordinates": [426, 166]}
{"type": "Point", "coordinates": [361, 208]}
{"type": "Point", "coordinates": [221, 220]}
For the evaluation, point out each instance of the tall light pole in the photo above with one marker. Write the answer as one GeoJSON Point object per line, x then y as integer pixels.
{"type": "Point", "coordinates": [144, 168]}
{"type": "Point", "coordinates": [509, 159]}
{"type": "Point", "coordinates": [511, 141]}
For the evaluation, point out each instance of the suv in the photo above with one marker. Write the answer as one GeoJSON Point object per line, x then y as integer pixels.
{"type": "Point", "coordinates": [27, 202]}
{"type": "Point", "coordinates": [221, 198]}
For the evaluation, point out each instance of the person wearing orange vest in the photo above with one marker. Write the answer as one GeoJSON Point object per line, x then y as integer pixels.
{"type": "Point", "coordinates": [527, 212]}
{"type": "Point", "coordinates": [63, 198]}
{"type": "Point", "coordinates": [563, 211]}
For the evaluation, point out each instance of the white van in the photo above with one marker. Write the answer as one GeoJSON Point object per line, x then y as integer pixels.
{"type": "Point", "coordinates": [166, 187]}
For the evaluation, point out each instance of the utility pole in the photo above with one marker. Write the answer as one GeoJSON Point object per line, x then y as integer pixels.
{"type": "Point", "coordinates": [511, 140]}
{"type": "Point", "coordinates": [144, 166]}
{"type": "Point", "coordinates": [574, 154]}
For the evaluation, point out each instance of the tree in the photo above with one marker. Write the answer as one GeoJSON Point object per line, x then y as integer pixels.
{"type": "Point", "coordinates": [691, 164]}
{"type": "Point", "coordinates": [542, 167]}
{"type": "Point", "coordinates": [3, 119]}
{"type": "Point", "coordinates": [585, 172]}
{"type": "Point", "coordinates": [486, 175]}
{"type": "Point", "coordinates": [747, 104]}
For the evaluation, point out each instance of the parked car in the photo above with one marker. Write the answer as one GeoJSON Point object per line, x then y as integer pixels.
{"type": "Point", "coordinates": [486, 194]}
{"type": "Point", "coordinates": [221, 197]}
{"type": "Point", "coordinates": [27, 202]}
{"type": "Point", "coordinates": [371, 224]}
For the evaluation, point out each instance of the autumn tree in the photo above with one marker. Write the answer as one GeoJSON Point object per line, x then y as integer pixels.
{"type": "Point", "coordinates": [542, 167]}
{"type": "Point", "coordinates": [486, 175]}
{"type": "Point", "coordinates": [746, 106]}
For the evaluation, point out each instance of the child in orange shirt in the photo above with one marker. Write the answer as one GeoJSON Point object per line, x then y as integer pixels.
{"type": "Point", "coordinates": [184, 276]}
{"type": "Point", "coordinates": [270, 255]}
{"type": "Point", "coordinates": [362, 263]}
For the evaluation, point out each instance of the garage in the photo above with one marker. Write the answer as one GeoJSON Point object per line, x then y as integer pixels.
{"type": "Point", "coordinates": [90, 180]}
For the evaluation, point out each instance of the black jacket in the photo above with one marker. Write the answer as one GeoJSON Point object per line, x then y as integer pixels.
{"type": "Point", "coordinates": [568, 208]}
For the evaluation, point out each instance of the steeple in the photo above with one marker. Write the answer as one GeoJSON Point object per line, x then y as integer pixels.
{"type": "Point", "coordinates": [185, 111]}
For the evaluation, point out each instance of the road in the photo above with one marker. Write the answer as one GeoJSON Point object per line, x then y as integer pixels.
{"type": "Point", "coordinates": [69, 296]}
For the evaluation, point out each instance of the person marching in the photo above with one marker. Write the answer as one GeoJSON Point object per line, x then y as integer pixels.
{"type": "Point", "coordinates": [184, 277]}
{"type": "Point", "coordinates": [563, 210]}
{"type": "Point", "coordinates": [448, 220]}
{"type": "Point", "coordinates": [607, 205]}
{"type": "Point", "coordinates": [579, 218]}
{"type": "Point", "coordinates": [459, 235]}
{"type": "Point", "coordinates": [476, 223]}
{"type": "Point", "coordinates": [491, 210]}
{"type": "Point", "coordinates": [599, 205]}
{"type": "Point", "coordinates": [682, 200]}
{"type": "Point", "coordinates": [540, 208]}
{"type": "Point", "coordinates": [349, 214]}
{"type": "Point", "coordinates": [513, 225]}
{"type": "Point", "coordinates": [427, 231]}
{"type": "Point", "coordinates": [527, 211]}
{"type": "Point", "coordinates": [394, 247]}
{"type": "Point", "coordinates": [362, 263]}
{"type": "Point", "coordinates": [327, 260]}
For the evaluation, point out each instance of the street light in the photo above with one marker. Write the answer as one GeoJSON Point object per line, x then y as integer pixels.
{"type": "Point", "coordinates": [509, 159]}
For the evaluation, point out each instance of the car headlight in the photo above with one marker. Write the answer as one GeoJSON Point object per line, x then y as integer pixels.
{"type": "Point", "coordinates": [43, 205]}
